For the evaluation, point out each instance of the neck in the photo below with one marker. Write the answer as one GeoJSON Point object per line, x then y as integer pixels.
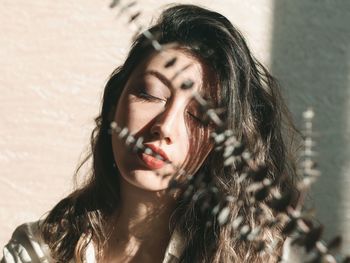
{"type": "Point", "coordinates": [141, 224]}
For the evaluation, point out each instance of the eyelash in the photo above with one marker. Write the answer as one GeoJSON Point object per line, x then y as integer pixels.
{"type": "Point", "coordinates": [199, 120]}
{"type": "Point", "coordinates": [195, 117]}
{"type": "Point", "coordinates": [147, 97]}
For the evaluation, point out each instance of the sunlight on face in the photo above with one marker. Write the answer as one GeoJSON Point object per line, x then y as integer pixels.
{"type": "Point", "coordinates": [153, 106]}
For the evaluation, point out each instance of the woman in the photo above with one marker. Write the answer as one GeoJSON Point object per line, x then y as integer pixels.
{"type": "Point", "coordinates": [156, 120]}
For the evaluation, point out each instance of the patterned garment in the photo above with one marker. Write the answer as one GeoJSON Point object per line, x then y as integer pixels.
{"type": "Point", "coordinates": [27, 246]}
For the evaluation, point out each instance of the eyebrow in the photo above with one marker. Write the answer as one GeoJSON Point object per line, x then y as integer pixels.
{"type": "Point", "coordinates": [159, 76]}
{"type": "Point", "coordinates": [166, 81]}
{"type": "Point", "coordinates": [180, 71]}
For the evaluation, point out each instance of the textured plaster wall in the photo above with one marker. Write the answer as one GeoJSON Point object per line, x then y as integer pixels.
{"type": "Point", "coordinates": [56, 56]}
{"type": "Point", "coordinates": [310, 53]}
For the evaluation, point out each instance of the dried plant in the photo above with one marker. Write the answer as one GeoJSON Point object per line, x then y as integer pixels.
{"type": "Point", "coordinates": [296, 222]}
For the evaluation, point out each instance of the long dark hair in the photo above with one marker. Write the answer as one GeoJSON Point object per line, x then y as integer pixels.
{"type": "Point", "coordinates": [254, 110]}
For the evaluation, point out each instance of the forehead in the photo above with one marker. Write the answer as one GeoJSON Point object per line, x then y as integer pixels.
{"type": "Point", "coordinates": [184, 67]}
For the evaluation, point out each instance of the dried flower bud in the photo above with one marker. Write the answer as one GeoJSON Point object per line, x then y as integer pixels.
{"type": "Point", "coordinates": [290, 226]}
{"type": "Point", "coordinates": [187, 84]}
{"type": "Point", "coordinates": [170, 62]}
{"type": "Point", "coordinates": [312, 237]}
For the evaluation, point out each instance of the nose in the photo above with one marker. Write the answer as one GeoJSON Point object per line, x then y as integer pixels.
{"type": "Point", "coordinates": [166, 125]}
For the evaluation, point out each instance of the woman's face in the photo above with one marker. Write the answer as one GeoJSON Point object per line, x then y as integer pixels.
{"type": "Point", "coordinates": [153, 106]}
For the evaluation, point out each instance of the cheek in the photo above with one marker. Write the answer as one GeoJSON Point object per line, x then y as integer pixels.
{"type": "Point", "coordinates": [184, 141]}
{"type": "Point", "coordinates": [121, 113]}
{"type": "Point", "coordinates": [186, 154]}
{"type": "Point", "coordinates": [135, 114]}
{"type": "Point", "coordinates": [140, 115]}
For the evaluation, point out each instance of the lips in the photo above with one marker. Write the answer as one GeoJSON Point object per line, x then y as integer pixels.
{"type": "Point", "coordinates": [152, 162]}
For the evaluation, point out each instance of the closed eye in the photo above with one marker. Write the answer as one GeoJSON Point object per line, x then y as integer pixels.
{"type": "Point", "coordinates": [195, 117]}
{"type": "Point", "coordinates": [147, 97]}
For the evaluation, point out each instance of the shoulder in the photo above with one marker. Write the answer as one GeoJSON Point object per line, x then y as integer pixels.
{"type": "Point", "coordinates": [175, 247]}
{"type": "Point", "coordinates": [26, 245]}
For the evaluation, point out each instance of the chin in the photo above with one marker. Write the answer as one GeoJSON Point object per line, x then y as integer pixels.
{"type": "Point", "coordinates": [148, 180]}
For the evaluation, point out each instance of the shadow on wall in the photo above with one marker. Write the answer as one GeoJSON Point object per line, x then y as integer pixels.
{"type": "Point", "coordinates": [310, 57]}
